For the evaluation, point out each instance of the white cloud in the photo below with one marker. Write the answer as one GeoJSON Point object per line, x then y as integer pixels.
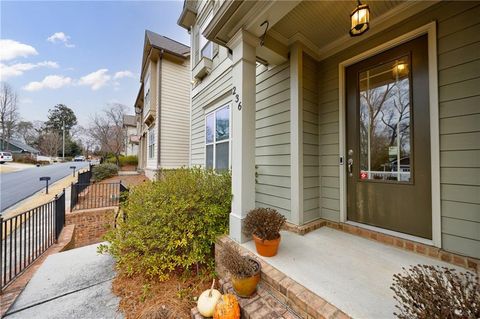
{"type": "Point", "coordinates": [12, 49]}
{"type": "Point", "coordinates": [123, 74]}
{"type": "Point", "coordinates": [50, 64]}
{"type": "Point", "coordinates": [61, 37]}
{"type": "Point", "coordinates": [49, 82]}
{"type": "Point", "coordinates": [7, 71]}
{"type": "Point", "coordinates": [95, 80]}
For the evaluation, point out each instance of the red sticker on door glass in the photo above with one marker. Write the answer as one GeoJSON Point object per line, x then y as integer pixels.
{"type": "Point", "coordinates": [363, 175]}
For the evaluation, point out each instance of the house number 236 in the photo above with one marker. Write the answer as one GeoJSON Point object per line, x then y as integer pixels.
{"type": "Point", "coordinates": [237, 98]}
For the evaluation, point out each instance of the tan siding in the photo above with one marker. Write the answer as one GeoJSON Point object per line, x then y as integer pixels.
{"type": "Point", "coordinates": [272, 145]}
{"type": "Point", "coordinates": [459, 109]}
{"type": "Point", "coordinates": [174, 114]}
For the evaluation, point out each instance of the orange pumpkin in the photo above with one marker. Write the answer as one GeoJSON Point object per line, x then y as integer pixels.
{"type": "Point", "coordinates": [227, 308]}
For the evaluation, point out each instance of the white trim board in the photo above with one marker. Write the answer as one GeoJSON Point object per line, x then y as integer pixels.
{"type": "Point", "coordinates": [431, 30]}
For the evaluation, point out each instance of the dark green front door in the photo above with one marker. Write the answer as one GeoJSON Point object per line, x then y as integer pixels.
{"type": "Point", "coordinates": [388, 140]}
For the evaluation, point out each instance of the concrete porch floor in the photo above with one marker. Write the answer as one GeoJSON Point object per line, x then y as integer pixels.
{"type": "Point", "coordinates": [350, 272]}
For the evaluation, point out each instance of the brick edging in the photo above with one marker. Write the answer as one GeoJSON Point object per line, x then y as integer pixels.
{"type": "Point", "coordinates": [301, 300]}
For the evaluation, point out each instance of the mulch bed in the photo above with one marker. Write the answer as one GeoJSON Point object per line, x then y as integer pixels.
{"type": "Point", "coordinates": [127, 180]}
{"type": "Point", "coordinates": [142, 298]}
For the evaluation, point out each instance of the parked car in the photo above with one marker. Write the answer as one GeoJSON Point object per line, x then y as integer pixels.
{"type": "Point", "coordinates": [79, 158]}
{"type": "Point", "coordinates": [5, 157]}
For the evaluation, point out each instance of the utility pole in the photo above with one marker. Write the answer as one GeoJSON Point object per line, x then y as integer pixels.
{"type": "Point", "coordinates": [63, 131]}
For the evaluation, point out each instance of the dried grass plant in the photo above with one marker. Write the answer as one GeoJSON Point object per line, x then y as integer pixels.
{"type": "Point", "coordinates": [237, 265]}
{"type": "Point", "coordinates": [433, 292]}
{"type": "Point", "coordinates": [264, 223]}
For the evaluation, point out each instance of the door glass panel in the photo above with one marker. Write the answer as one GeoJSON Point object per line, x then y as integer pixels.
{"type": "Point", "coordinates": [385, 122]}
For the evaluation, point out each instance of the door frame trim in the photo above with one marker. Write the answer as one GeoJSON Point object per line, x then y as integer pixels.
{"type": "Point", "coordinates": [431, 30]}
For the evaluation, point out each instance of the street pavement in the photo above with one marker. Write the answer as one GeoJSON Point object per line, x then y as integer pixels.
{"type": "Point", "coordinates": [17, 186]}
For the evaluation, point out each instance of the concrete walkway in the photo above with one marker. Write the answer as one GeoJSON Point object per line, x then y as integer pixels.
{"type": "Point", "coordinates": [73, 284]}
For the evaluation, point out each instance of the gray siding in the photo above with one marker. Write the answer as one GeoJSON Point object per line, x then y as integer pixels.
{"type": "Point", "coordinates": [459, 99]}
{"type": "Point", "coordinates": [272, 146]}
{"type": "Point", "coordinates": [218, 88]}
{"type": "Point", "coordinates": [311, 168]}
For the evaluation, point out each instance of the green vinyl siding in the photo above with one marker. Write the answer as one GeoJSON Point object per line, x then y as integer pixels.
{"type": "Point", "coordinates": [458, 40]}
{"type": "Point", "coordinates": [311, 169]}
{"type": "Point", "coordinates": [272, 143]}
{"type": "Point", "coordinates": [218, 88]}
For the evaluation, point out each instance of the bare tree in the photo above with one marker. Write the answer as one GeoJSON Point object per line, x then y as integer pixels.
{"type": "Point", "coordinates": [83, 136]}
{"type": "Point", "coordinates": [8, 113]}
{"type": "Point", "coordinates": [107, 130]}
{"type": "Point", "coordinates": [50, 143]}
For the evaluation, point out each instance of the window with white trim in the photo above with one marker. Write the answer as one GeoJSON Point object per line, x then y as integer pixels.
{"type": "Point", "coordinates": [217, 139]}
{"type": "Point", "coordinates": [146, 91]}
{"type": "Point", "coordinates": [206, 46]}
{"type": "Point", "coordinates": [151, 142]}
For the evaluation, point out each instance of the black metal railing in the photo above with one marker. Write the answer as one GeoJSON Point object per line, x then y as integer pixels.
{"type": "Point", "coordinates": [26, 236]}
{"type": "Point", "coordinates": [96, 195]}
{"type": "Point", "coordinates": [85, 177]}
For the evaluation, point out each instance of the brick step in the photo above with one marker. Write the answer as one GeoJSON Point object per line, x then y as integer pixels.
{"type": "Point", "coordinates": [300, 300]}
{"type": "Point", "coordinates": [262, 305]}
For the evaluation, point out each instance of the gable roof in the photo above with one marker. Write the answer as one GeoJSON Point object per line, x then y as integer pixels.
{"type": "Point", "coordinates": [24, 147]}
{"type": "Point", "coordinates": [164, 43]}
{"type": "Point", "coordinates": [129, 120]}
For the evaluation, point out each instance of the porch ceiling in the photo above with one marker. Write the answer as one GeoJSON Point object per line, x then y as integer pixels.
{"type": "Point", "coordinates": [321, 23]}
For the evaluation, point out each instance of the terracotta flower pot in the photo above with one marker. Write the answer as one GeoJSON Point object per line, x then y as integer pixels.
{"type": "Point", "coordinates": [267, 248]}
{"type": "Point", "coordinates": [245, 287]}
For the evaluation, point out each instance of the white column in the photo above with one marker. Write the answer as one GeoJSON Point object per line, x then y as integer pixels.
{"type": "Point", "coordinates": [296, 133]}
{"type": "Point", "coordinates": [243, 130]}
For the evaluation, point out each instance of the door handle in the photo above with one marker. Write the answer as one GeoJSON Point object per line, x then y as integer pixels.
{"type": "Point", "coordinates": [350, 166]}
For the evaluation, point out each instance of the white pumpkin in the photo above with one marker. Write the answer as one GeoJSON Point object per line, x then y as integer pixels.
{"type": "Point", "coordinates": [207, 301]}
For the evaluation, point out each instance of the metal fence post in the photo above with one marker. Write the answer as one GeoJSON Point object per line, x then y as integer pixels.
{"type": "Point", "coordinates": [59, 214]}
{"type": "Point", "coordinates": [1, 252]}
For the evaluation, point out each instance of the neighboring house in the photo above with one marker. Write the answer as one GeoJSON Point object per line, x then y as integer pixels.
{"type": "Point", "coordinates": [17, 147]}
{"type": "Point", "coordinates": [306, 115]}
{"type": "Point", "coordinates": [163, 105]}
{"type": "Point", "coordinates": [131, 137]}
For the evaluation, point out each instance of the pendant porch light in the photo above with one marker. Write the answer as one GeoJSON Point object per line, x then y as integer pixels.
{"type": "Point", "coordinates": [360, 18]}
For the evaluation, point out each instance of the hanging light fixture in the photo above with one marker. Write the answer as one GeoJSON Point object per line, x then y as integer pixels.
{"type": "Point", "coordinates": [360, 18]}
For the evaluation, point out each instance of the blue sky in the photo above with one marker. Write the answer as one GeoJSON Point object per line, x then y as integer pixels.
{"type": "Point", "coordinates": [82, 54]}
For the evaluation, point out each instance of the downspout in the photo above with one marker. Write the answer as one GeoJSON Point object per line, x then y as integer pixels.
{"type": "Point", "coordinates": [159, 109]}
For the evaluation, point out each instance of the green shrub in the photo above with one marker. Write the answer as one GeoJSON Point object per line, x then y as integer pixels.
{"type": "Point", "coordinates": [104, 170]}
{"type": "Point", "coordinates": [128, 160]}
{"type": "Point", "coordinates": [171, 224]}
{"type": "Point", "coordinates": [124, 160]}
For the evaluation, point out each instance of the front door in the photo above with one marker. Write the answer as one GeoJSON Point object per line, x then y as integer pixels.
{"type": "Point", "coordinates": [388, 140]}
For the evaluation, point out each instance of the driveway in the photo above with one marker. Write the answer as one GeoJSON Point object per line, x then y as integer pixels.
{"type": "Point", "coordinates": [73, 284]}
{"type": "Point", "coordinates": [19, 185]}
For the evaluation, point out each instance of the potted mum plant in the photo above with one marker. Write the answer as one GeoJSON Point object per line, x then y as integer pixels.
{"type": "Point", "coordinates": [264, 225]}
{"type": "Point", "coordinates": [244, 271]}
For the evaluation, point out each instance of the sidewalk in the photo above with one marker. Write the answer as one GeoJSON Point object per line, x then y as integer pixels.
{"type": "Point", "coordinates": [72, 284]}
